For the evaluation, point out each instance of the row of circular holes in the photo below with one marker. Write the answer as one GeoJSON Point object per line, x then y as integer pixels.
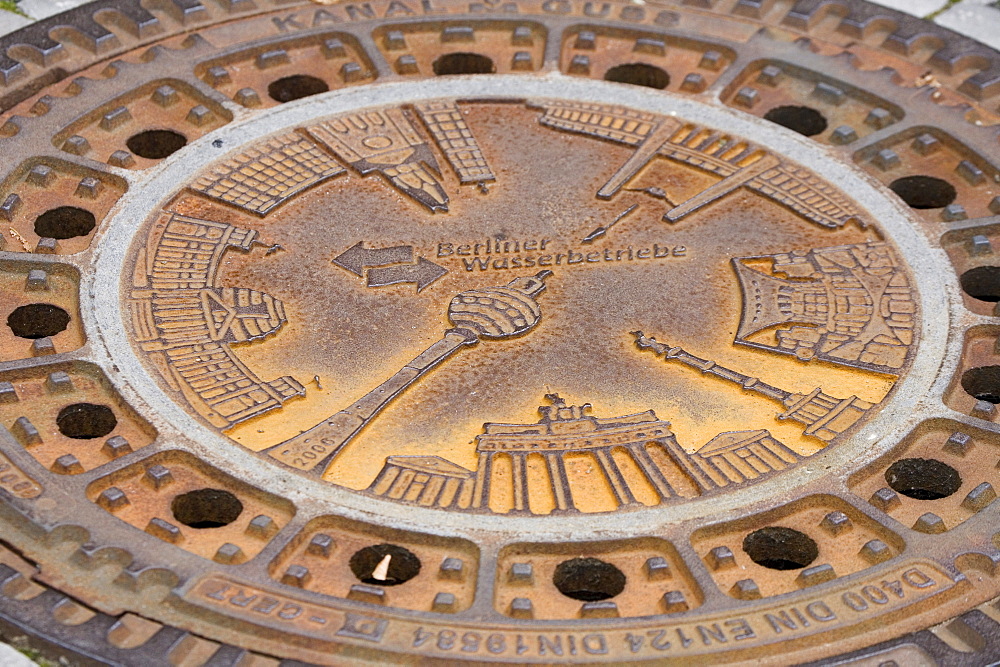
{"type": "Point", "coordinates": [586, 579]}
{"type": "Point", "coordinates": [591, 579]}
{"type": "Point", "coordinates": [919, 192]}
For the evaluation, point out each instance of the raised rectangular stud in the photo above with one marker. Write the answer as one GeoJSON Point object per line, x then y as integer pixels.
{"type": "Point", "coordinates": [876, 551]}
{"type": "Point", "coordinates": [979, 497]}
{"type": "Point", "coordinates": [885, 499]}
{"type": "Point", "coordinates": [655, 47]}
{"type": "Point", "coordinates": [158, 477]}
{"type": "Point", "coordinates": [845, 134]}
{"type": "Point", "coordinates": [879, 118]}
{"type": "Point", "coordinates": [521, 608]}
{"type": "Point", "coordinates": [296, 575]}
{"type": "Point", "coordinates": [274, 58]}
{"type": "Point", "coordinates": [451, 568]}
{"type": "Point", "coordinates": [673, 602]}
{"type": "Point", "coordinates": [745, 589]}
{"type": "Point", "coordinates": [959, 444]}
{"type": "Point", "coordinates": [89, 188]}
{"type": "Point", "coordinates": [366, 593]}
{"type": "Point", "coordinates": [116, 446]}
{"type": "Point", "coordinates": [41, 347]}
{"type": "Point", "coordinates": [693, 83]}
{"type": "Point", "coordinates": [521, 573]}
{"type": "Point", "coordinates": [657, 568]}
{"type": "Point", "coordinates": [395, 40]}
{"type": "Point", "coordinates": [199, 116]}
{"type": "Point", "coordinates": [334, 48]}
{"type": "Point", "coordinates": [262, 526]}
{"type": "Point", "coordinates": [521, 62]}
{"type": "Point", "coordinates": [229, 554]}
{"type": "Point", "coordinates": [836, 523]}
{"type": "Point", "coordinates": [10, 206]}
{"type": "Point", "coordinates": [712, 60]}
{"type": "Point", "coordinates": [58, 382]}
{"type": "Point", "coordinates": [112, 499]}
{"type": "Point", "coordinates": [320, 545]}
{"type": "Point", "coordinates": [600, 609]}
{"type": "Point", "coordinates": [522, 36]}
{"type": "Point", "coordinates": [122, 159]}
{"type": "Point", "coordinates": [925, 144]}
{"type": "Point", "coordinates": [406, 65]}
{"type": "Point", "coordinates": [164, 530]}
{"type": "Point", "coordinates": [444, 603]}
{"type": "Point", "coordinates": [458, 33]}
{"type": "Point", "coordinates": [166, 96]}
{"type": "Point", "coordinates": [41, 176]}
{"type": "Point", "coordinates": [721, 558]}
{"type": "Point", "coordinates": [829, 93]}
{"type": "Point", "coordinates": [816, 574]}
{"type": "Point", "coordinates": [970, 172]}
{"type": "Point", "coordinates": [67, 464]}
{"type": "Point", "coordinates": [580, 64]}
{"type": "Point", "coordinates": [25, 432]}
{"type": "Point", "coordinates": [8, 394]}
{"type": "Point", "coordinates": [115, 118]}
{"type": "Point", "coordinates": [585, 41]}
{"type": "Point", "coordinates": [930, 523]}
{"type": "Point", "coordinates": [747, 97]}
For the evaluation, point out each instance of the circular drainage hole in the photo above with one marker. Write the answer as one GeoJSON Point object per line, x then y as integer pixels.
{"type": "Point", "coordinates": [982, 283]}
{"type": "Point", "coordinates": [638, 74]}
{"type": "Point", "coordinates": [779, 548]}
{"type": "Point", "coordinates": [385, 564]}
{"type": "Point", "coordinates": [463, 63]}
{"type": "Point", "coordinates": [37, 320]}
{"type": "Point", "coordinates": [804, 120]}
{"type": "Point", "coordinates": [156, 144]}
{"type": "Point", "coordinates": [206, 508]}
{"type": "Point", "coordinates": [85, 421]}
{"type": "Point", "coordinates": [923, 479]}
{"type": "Point", "coordinates": [296, 87]}
{"type": "Point", "coordinates": [983, 383]}
{"type": "Point", "coordinates": [923, 192]}
{"type": "Point", "coordinates": [65, 222]}
{"type": "Point", "coordinates": [588, 579]}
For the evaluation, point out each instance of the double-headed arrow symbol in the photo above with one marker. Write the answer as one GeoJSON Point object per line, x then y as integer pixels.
{"type": "Point", "coordinates": [389, 266]}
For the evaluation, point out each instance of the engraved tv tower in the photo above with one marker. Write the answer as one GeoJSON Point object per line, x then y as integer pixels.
{"type": "Point", "coordinates": [825, 417]}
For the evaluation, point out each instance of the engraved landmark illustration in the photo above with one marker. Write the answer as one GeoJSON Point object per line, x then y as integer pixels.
{"type": "Point", "coordinates": [850, 305]}
{"type": "Point", "coordinates": [265, 176]}
{"type": "Point", "coordinates": [187, 323]}
{"type": "Point", "coordinates": [567, 430]}
{"type": "Point", "coordinates": [493, 313]}
{"type": "Point", "coordinates": [261, 178]}
{"type": "Point", "coordinates": [455, 139]}
{"type": "Point", "coordinates": [739, 162]}
{"type": "Point", "coordinates": [825, 417]}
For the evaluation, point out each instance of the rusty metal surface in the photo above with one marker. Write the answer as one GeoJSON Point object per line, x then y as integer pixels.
{"type": "Point", "coordinates": [512, 332]}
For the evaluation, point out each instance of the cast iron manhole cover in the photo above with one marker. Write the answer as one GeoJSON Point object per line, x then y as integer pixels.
{"type": "Point", "coordinates": [515, 331]}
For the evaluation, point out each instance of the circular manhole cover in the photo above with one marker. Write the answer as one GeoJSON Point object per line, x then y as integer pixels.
{"type": "Point", "coordinates": [506, 331]}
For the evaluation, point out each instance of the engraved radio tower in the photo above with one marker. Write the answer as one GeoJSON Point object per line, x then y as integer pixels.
{"type": "Point", "coordinates": [825, 417]}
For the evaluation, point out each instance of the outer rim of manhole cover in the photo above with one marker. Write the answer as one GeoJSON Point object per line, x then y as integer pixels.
{"type": "Point", "coordinates": [764, 356]}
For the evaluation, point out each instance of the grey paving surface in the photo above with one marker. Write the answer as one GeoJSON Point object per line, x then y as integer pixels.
{"type": "Point", "coordinates": [11, 658]}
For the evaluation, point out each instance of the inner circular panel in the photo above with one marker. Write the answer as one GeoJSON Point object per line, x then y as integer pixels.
{"type": "Point", "coordinates": [406, 293]}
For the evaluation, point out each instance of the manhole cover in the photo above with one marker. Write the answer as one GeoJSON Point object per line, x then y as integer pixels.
{"type": "Point", "coordinates": [521, 332]}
